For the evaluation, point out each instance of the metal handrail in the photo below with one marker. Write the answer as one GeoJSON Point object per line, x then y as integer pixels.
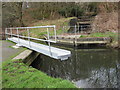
{"type": "Point", "coordinates": [53, 26]}
{"type": "Point", "coordinates": [32, 27]}
{"type": "Point", "coordinates": [28, 37]}
{"type": "Point", "coordinates": [31, 38]}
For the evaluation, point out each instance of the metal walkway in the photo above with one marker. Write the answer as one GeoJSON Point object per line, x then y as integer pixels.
{"type": "Point", "coordinates": [44, 49]}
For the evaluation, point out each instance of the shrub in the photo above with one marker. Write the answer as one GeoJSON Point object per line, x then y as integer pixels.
{"type": "Point", "coordinates": [69, 11]}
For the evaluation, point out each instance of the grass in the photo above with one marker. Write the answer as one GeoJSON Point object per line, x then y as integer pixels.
{"type": "Point", "coordinates": [106, 34]}
{"type": "Point", "coordinates": [18, 75]}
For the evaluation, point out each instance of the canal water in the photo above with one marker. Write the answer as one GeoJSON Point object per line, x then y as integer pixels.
{"type": "Point", "coordinates": [86, 68]}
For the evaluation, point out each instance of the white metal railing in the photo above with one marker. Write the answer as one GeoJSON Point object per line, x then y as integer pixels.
{"type": "Point", "coordinates": [28, 32]}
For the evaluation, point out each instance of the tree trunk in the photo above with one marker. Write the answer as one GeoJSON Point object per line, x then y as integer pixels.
{"type": "Point", "coordinates": [20, 13]}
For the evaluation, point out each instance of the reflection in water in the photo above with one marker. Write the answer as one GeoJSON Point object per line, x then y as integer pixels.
{"type": "Point", "coordinates": [96, 68]}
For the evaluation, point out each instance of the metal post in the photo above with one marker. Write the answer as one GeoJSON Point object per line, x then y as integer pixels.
{"type": "Point", "coordinates": [49, 41]}
{"type": "Point", "coordinates": [48, 33]}
{"type": "Point", "coordinates": [55, 34]}
{"type": "Point", "coordinates": [81, 28]}
{"type": "Point", "coordinates": [63, 29]}
{"type": "Point", "coordinates": [78, 28]}
{"type": "Point", "coordinates": [28, 36]}
{"type": "Point", "coordinates": [11, 32]}
{"type": "Point", "coordinates": [75, 30]}
{"type": "Point", "coordinates": [75, 35]}
{"type": "Point", "coordinates": [6, 34]}
{"type": "Point", "coordinates": [18, 36]}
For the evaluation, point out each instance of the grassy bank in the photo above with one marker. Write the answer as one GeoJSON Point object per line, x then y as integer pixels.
{"type": "Point", "coordinates": [106, 34]}
{"type": "Point", "coordinates": [39, 32]}
{"type": "Point", "coordinates": [112, 35]}
{"type": "Point", "coordinates": [18, 75]}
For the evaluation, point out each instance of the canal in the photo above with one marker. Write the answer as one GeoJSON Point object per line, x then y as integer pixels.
{"type": "Point", "coordinates": [86, 68]}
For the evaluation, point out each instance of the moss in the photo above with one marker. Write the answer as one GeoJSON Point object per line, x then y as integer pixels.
{"type": "Point", "coordinates": [18, 75]}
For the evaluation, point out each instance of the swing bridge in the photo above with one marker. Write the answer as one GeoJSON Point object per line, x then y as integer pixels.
{"type": "Point", "coordinates": [26, 41]}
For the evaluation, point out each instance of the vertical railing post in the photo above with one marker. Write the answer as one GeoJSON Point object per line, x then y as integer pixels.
{"type": "Point", "coordinates": [48, 34]}
{"type": "Point", "coordinates": [75, 36]}
{"type": "Point", "coordinates": [17, 35]}
{"type": "Point", "coordinates": [78, 28]}
{"type": "Point", "coordinates": [81, 28]}
{"type": "Point", "coordinates": [63, 30]}
{"type": "Point", "coordinates": [28, 36]}
{"type": "Point", "coordinates": [11, 32]}
{"type": "Point", "coordinates": [6, 33]}
{"type": "Point", "coordinates": [55, 33]}
{"type": "Point", "coordinates": [75, 30]}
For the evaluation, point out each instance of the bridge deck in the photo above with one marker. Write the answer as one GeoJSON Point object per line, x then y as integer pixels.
{"type": "Point", "coordinates": [44, 49]}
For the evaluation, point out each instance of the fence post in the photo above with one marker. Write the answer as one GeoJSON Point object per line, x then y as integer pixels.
{"type": "Point", "coordinates": [18, 36]}
{"type": "Point", "coordinates": [55, 33]}
{"type": "Point", "coordinates": [48, 34]}
{"type": "Point", "coordinates": [75, 30]}
{"type": "Point", "coordinates": [6, 34]}
{"type": "Point", "coordinates": [78, 29]}
{"type": "Point", "coordinates": [28, 36]}
{"type": "Point", "coordinates": [49, 41]}
{"type": "Point", "coordinates": [11, 32]}
{"type": "Point", "coordinates": [75, 36]}
{"type": "Point", "coordinates": [63, 30]}
{"type": "Point", "coordinates": [81, 28]}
